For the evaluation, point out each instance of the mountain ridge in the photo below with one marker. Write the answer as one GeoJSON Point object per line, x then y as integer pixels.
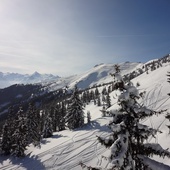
{"type": "Point", "coordinates": [49, 87]}
{"type": "Point", "coordinates": [8, 79]}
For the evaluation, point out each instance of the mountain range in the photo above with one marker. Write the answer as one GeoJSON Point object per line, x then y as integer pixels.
{"type": "Point", "coordinates": [45, 88]}
{"type": "Point", "coordinates": [8, 79]}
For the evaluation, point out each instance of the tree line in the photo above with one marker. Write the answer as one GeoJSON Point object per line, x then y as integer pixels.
{"type": "Point", "coordinates": [29, 127]}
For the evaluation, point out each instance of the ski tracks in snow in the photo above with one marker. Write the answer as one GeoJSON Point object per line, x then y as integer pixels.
{"type": "Point", "coordinates": [82, 147]}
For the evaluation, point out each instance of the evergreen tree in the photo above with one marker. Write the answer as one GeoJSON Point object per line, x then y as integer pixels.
{"type": "Point", "coordinates": [168, 80]}
{"type": "Point", "coordinates": [84, 97]}
{"type": "Point", "coordinates": [128, 141]}
{"type": "Point", "coordinates": [18, 133]}
{"type": "Point", "coordinates": [88, 96]}
{"type": "Point", "coordinates": [103, 111]}
{"type": "Point", "coordinates": [88, 117]}
{"type": "Point", "coordinates": [140, 71]}
{"type": "Point", "coordinates": [6, 142]}
{"type": "Point", "coordinates": [19, 137]}
{"type": "Point", "coordinates": [117, 68]}
{"type": "Point", "coordinates": [109, 89]}
{"type": "Point", "coordinates": [108, 100]}
{"type": "Point", "coordinates": [7, 132]}
{"type": "Point", "coordinates": [104, 91]}
{"type": "Point", "coordinates": [96, 92]}
{"type": "Point", "coordinates": [146, 69]}
{"type": "Point", "coordinates": [94, 101]}
{"type": "Point", "coordinates": [63, 114]}
{"type": "Point", "coordinates": [92, 95]}
{"type": "Point", "coordinates": [56, 117]}
{"type": "Point", "coordinates": [59, 119]}
{"type": "Point", "coordinates": [98, 101]}
{"type": "Point", "coordinates": [33, 126]}
{"type": "Point", "coordinates": [48, 129]}
{"type": "Point", "coordinates": [168, 115]}
{"type": "Point", "coordinates": [103, 99]}
{"type": "Point", "coordinates": [75, 115]}
{"type": "Point", "coordinates": [153, 66]}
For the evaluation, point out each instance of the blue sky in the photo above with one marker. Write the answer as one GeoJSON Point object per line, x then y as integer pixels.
{"type": "Point", "coordinates": [66, 37]}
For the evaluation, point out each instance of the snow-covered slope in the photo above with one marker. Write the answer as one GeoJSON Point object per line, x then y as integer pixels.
{"type": "Point", "coordinates": [156, 86]}
{"type": "Point", "coordinates": [7, 79]}
{"type": "Point", "coordinates": [66, 149]}
{"type": "Point", "coordinates": [99, 74]}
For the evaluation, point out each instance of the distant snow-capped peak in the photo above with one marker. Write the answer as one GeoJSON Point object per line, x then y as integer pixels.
{"type": "Point", "coordinates": [7, 79]}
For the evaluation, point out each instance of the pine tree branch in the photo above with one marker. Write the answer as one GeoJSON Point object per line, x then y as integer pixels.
{"type": "Point", "coordinates": [107, 142]}
{"type": "Point", "coordinates": [151, 149]}
{"type": "Point", "coordinates": [152, 164]}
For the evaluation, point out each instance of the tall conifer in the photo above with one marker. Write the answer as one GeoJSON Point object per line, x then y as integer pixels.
{"type": "Point", "coordinates": [75, 115]}
{"type": "Point", "coordinates": [48, 127]}
{"type": "Point", "coordinates": [19, 137]}
{"type": "Point", "coordinates": [33, 126]}
{"type": "Point", "coordinates": [7, 132]}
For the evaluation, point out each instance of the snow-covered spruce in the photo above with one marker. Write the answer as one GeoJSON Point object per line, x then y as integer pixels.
{"type": "Point", "coordinates": [20, 135]}
{"type": "Point", "coordinates": [168, 115]}
{"type": "Point", "coordinates": [75, 115]}
{"type": "Point", "coordinates": [61, 125]}
{"type": "Point", "coordinates": [128, 145]}
{"type": "Point", "coordinates": [33, 126]}
{"type": "Point", "coordinates": [20, 131]}
{"type": "Point", "coordinates": [108, 100]}
{"type": "Point", "coordinates": [7, 132]}
{"type": "Point", "coordinates": [88, 116]}
{"type": "Point", "coordinates": [48, 129]}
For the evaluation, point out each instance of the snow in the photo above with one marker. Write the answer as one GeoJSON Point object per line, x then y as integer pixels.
{"type": "Point", "coordinates": [19, 96]}
{"type": "Point", "coordinates": [67, 149]}
{"type": "Point", "coordinates": [4, 104]}
{"type": "Point", "coordinates": [8, 79]}
{"type": "Point", "coordinates": [100, 74]}
{"type": "Point", "coordinates": [155, 165]}
{"type": "Point", "coordinates": [120, 156]}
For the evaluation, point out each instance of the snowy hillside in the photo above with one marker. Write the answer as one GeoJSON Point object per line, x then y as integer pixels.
{"type": "Point", "coordinates": [67, 149]}
{"type": "Point", "coordinates": [99, 74]}
{"type": "Point", "coordinates": [55, 86]}
{"type": "Point", "coordinates": [8, 79]}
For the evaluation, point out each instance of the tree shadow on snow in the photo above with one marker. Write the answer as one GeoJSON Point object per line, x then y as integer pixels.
{"type": "Point", "coordinates": [94, 125]}
{"type": "Point", "coordinates": [2, 159]}
{"type": "Point", "coordinates": [27, 162]}
{"type": "Point", "coordinates": [45, 140]}
{"type": "Point", "coordinates": [57, 136]}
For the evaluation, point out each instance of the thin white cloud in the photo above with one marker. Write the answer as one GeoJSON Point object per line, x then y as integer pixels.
{"type": "Point", "coordinates": [132, 35]}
